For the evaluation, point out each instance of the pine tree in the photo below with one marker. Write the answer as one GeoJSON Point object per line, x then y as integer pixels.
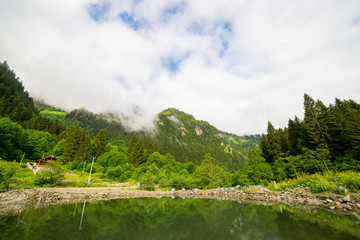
{"type": "Point", "coordinates": [295, 136]}
{"type": "Point", "coordinates": [149, 150]}
{"type": "Point", "coordinates": [135, 151]}
{"type": "Point", "coordinates": [273, 143]}
{"type": "Point", "coordinates": [100, 142]}
{"type": "Point", "coordinates": [85, 149]}
{"type": "Point", "coordinates": [73, 143]}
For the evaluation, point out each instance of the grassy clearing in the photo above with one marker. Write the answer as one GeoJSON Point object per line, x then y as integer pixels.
{"type": "Point", "coordinates": [53, 114]}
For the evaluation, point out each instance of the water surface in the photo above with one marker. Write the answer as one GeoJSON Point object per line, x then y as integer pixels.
{"type": "Point", "coordinates": [166, 218]}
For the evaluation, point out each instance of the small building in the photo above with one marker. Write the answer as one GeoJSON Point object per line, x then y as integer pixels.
{"type": "Point", "coordinates": [42, 162]}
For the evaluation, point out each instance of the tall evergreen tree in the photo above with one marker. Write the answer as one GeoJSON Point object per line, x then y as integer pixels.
{"type": "Point", "coordinates": [100, 142]}
{"type": "Point", "coordinates": [74, 141]}
{"type": "Point", "coordinates": [85, 149]}
{"type": "Point", "coordinates": [295, 136]}
{"type": "Point", "coordinates": [135, 151]}
{"type": "Point", "coordinates": [270, 144]}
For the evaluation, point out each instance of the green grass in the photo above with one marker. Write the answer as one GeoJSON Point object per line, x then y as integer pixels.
{"type": "Point", "coordinates": [79, 179]}
{"type": "Point", "coordinates": [23, 178]}
{"type": "Point", "coordinates": [53, 114]}
{"type": "Point", "coordinates": [318, 183]}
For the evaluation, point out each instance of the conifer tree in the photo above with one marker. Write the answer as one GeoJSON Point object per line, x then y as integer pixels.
{"type": "Point", "coordinates": [100, 142]}
{"type": "Point", "coordinates": [85, 148]}
{"type": "Point", "coordinates": [270, 144]}
{"type": "Point", "coordinates": [73, 143]}
{"type": "Point", "coordinates": [295, 136]}
{"type": "Point", "coordinates": [135, 151]}
{"type": "Point", "coordinates": [149, 150]}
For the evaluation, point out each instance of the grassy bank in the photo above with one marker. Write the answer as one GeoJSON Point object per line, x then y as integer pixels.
{"type": "Point", "coordinates": [19, 176]}
{"type": "Point", "coordinates": [338, 182]}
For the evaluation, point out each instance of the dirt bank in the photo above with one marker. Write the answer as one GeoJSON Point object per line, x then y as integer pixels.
{"type": "Point", "coordinates": [15, 200]}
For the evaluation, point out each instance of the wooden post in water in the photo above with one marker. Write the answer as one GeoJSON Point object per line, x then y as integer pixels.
{"type": "Point", "coordinates": [92, 163]}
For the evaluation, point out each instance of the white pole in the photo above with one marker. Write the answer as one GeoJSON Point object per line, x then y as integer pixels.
{"type": "Point", "coordinates": [92, 163]}
{"type": "Point", "coordinates": [22, 158]}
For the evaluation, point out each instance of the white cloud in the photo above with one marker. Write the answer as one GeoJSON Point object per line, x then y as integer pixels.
{"type": "Point", "coordinates": [236, 77]}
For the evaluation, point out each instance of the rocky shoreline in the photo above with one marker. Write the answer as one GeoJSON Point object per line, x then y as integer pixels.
{"type": "Point", "coordinates": [16, 200]}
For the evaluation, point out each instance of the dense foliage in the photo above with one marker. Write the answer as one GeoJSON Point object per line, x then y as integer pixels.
{"type": "Point", "coordinates": [327, 139]}
{"type": "Point", "coordinates": [188, 139]}
{"type": "Point", "coordinates": [14, 101]}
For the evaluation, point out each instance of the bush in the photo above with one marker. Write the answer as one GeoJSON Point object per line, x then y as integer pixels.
{"type": "Point", "coordinates": [114, 172]}
{"type": "Point", "coordinates": [147, 182]}
{"type": "Point", "coordinates": [318, 184]}
{"type": "Point", "coordinates": [51, 175]}
{"type": "Point", "coordinates": [180, 181]}
{"type": "Point", "coordinates": [7, 171]}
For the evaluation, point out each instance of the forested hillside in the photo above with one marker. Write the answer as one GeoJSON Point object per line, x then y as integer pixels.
{"type": "Point", "coordinates": [188, 139]}
{"type": "Point", "coordinates": [327, 138]}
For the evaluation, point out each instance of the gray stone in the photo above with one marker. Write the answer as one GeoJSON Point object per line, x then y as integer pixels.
{"type": "Point", "coordinates": [346, 198]}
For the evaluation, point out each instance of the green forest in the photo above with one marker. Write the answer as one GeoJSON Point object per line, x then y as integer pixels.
{"type": "Point", "coordinates": [322, 151]}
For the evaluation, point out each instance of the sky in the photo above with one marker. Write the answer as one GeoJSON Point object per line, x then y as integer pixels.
{"type": "Point", "coordinates": [236, 64]}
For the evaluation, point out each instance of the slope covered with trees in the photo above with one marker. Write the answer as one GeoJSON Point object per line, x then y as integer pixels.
{"type": "Point", "coordinates": [327, 138]}
{"type": "Point", "coordinates": [188, 139]}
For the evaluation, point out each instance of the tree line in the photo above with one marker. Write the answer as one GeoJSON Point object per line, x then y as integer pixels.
{"type": "Point", "coordinates": [328, 138]}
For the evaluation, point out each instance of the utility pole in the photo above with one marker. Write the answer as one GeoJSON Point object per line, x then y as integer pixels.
{"type": "Point", "coordinates": [92, 163]}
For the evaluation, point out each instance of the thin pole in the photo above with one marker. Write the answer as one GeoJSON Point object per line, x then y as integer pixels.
{"type": "Point", "coordinates": [92, 163]}
{"type": "Point", "coordinates": [82, 216]}
{"type": "Point", "coordinates": [84, 166]}
{"type": "Point", "coordinates": [22, 158]}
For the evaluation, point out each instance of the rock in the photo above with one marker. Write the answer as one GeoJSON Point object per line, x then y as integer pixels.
{"type": "Point", "coordinates": [346, 198]}
{"type": "Point", "coordinates": [348, 207]}
{"type": "Point", "coordinates": [172, 189]}
{"type": "Point", "coordinates": [329, 200]}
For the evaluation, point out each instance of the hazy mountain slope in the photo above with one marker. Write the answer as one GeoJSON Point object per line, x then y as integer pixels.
{"type": "Point", "coordinates": [188, 139]}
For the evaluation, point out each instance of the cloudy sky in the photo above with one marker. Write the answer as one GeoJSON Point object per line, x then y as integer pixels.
{"type": "Point", "coordinates": [234, 63]}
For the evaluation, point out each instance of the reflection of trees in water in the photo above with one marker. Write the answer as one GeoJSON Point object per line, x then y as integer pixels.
{"type": "Point", "coordinates": [168, 218]}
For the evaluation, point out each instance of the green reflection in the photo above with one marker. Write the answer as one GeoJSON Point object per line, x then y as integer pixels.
{"type": "Point", "coordinates": [166, 218]}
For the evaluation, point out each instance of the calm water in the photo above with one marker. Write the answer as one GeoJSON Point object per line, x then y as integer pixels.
{"type": "Point", "coordinates": [177, 218]}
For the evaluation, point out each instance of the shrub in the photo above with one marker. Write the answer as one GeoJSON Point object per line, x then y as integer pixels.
{"type": "Point", "coordinates": [147, 182]}
{"type": "Point", "coordinates": [7, 171]}
{"type": "Point", "coordinates": [114, 172]}
{"type": "Point", "coordinates": [51, 175]}
{"type": "Point", "coordinates": [180, 181]}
